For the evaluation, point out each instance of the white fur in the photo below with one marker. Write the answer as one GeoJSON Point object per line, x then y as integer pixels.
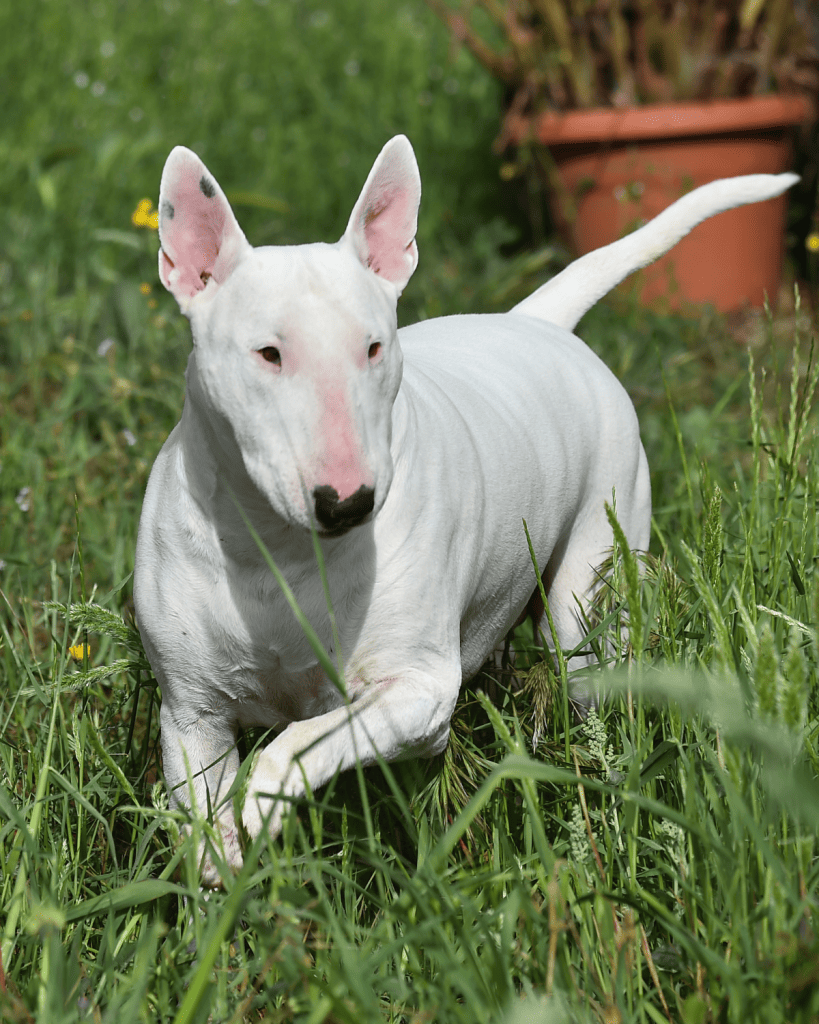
{"type": "Point", "coordinates": [429, 467]}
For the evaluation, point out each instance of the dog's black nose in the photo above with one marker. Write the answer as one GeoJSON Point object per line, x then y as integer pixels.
{"type": "Point", "coordinates": [338, 516]}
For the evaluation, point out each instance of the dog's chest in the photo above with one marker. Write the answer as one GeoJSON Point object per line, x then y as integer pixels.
{"type": "Point", "coordinates": [272, 697]}
{"type": "Point", "coordinates": [261, 659]}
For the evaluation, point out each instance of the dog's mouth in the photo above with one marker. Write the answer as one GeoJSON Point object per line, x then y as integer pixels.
{"type": "Point", "coordinates": [339, 531]}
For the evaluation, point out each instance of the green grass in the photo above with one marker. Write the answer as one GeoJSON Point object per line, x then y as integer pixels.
{"type": "Point", "coordinates": [657, 862]}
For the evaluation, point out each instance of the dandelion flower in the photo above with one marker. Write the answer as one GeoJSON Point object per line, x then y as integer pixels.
{"type": "Point", "coordinates": [812, 242]}
{"type": "Point", "coordinates": [80, 651]}
{"type": "Point", "coordinates": [144, 216]}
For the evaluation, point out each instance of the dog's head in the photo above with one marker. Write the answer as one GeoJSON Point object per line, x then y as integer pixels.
{"type": "Point", "coordinates": [295, 347]}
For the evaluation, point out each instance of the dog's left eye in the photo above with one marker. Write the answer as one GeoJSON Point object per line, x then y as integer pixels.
{"type": "Point", "coordinates": [271, 354]}
{"type": "Point", "coordinates": [374, 351]}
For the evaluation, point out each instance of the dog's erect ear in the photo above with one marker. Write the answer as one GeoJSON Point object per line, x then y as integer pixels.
{"type": "Point", "coordinates": [199, 237]}
{"type": "Point", "coordinates": [384, 221]}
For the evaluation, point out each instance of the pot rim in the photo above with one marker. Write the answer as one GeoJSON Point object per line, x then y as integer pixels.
{"type": "Point", "coordinates": [658, 120]}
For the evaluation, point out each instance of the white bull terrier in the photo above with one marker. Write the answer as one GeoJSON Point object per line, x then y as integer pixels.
{"type": "Point", "coordinates": [414, 455]}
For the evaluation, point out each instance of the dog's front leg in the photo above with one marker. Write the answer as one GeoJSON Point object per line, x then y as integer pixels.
{"type": "Point", "coordinates": [406, 716]}
{"type": "Point", "coordinates": [200, 762]}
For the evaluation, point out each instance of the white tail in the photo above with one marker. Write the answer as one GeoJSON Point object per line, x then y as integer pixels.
{"type": "Point", "coordinates": [565, 298]}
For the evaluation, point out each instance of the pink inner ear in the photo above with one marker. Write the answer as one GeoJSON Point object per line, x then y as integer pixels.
{"type": "Point", "coordinates": [389, 229]}
{"type": "Point", "coordinates": [197, 236]}
{"type": "Point", "coordinates": [196, 223]}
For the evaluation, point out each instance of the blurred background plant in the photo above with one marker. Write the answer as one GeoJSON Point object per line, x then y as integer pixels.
{"type": "Point", "coordinates": [562, 55]}
{"type": "Point", "coordinates": [557, 56]}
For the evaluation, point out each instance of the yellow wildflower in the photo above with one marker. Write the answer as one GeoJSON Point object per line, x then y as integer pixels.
{"type": "Point", "coordinates": [80, 652]}
{"type": "Point", "coordinates": [145, 217]}
{"type": "Point", "coordinates": [812, 242]}
{"type": "Point", "coordinates": [145, 288]}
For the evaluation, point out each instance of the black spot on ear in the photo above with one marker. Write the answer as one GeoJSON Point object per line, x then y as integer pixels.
{"type": "Point", "coordinates": [167, 210]}
{"type": "Point", "coordinates": [206, 188]}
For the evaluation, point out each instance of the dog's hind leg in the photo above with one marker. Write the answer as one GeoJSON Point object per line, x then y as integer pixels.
{"type": "Point", "coordinates": [575, 573]}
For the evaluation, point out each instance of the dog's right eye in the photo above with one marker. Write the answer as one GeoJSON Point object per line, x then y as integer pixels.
{"type": "Point", "coordinates": [271, 354]}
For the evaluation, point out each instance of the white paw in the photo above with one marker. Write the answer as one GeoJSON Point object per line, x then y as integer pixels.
{"type": "Point", "coordinates": [267, 781]}
{"type": "Point", "coordinates": [225, 837]}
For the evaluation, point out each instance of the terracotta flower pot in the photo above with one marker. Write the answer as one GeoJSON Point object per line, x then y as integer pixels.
{"type": "Point", "coordinates": [616, 169]}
